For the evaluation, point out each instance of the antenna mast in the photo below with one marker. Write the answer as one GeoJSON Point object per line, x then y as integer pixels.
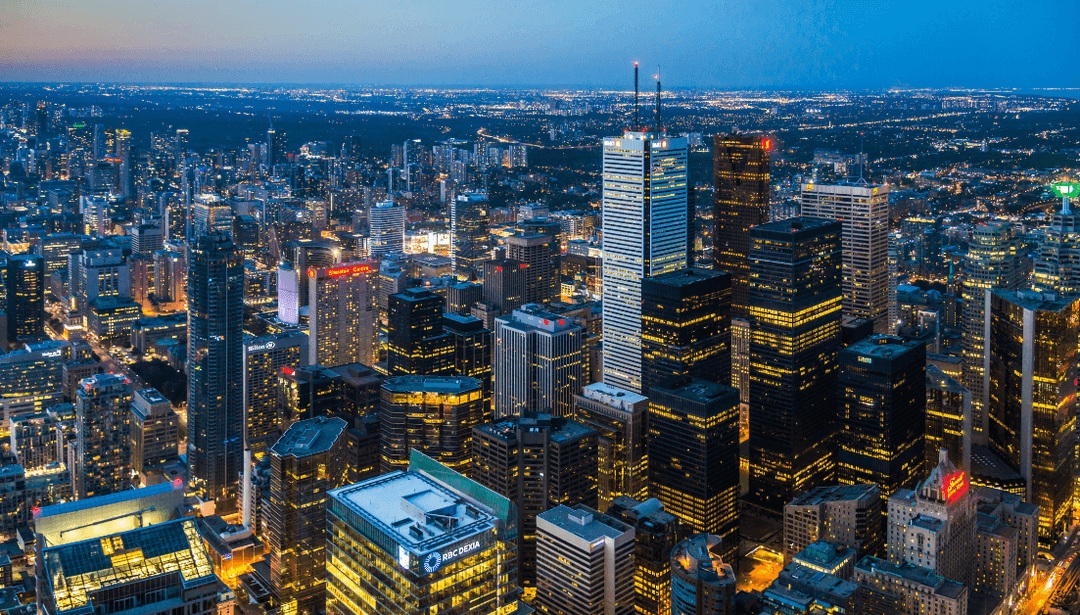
{"type": "Point", "coordinates": [635, 97]}
{"type": "Point", "coordinates": [659, 125]}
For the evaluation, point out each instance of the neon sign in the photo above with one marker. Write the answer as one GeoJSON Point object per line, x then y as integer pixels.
{"type": "Point", "coordinates": [766, 144]}
{"type": "Point", "coordinates": [955, 486]}
{"type": "Point", "coordinates": [347, 270]}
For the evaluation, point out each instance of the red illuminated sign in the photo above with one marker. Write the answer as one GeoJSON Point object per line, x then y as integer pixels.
{"type": "Point", "coordinates": [177, 483]}
{"type": "Point", "coordinates": [767, 144]}
{"type": "Point", "coordinates": [522, 266]}
{"type": "Point", "coordinates": [955, 486]}
{"type": "Point", "coordinates": [35, 511]}
{"type": "Point", "coordinates": [337, 272]}
{"type": "Point", "coordinates": [288, 370]}
{"type": "Point", "coordinates": [498, 269]}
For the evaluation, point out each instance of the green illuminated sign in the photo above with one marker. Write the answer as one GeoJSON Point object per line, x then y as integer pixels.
{"type": "Point", "coordinates": [1065, 189]}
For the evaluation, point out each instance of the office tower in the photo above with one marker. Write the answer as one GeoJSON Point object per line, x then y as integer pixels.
{"type": "Point", "coordinates": [795, 339]}
{"type": "Point", "coordinates": [620, 419]}
{"type": "Point", "coordinates": [740, 357]}
{"type": "Point", "coordinates": [416, 343]}
{"type": "Point", "coordinates": [245, 233]}
{"type": "Point", "coordinates": [504, 285]}
{"type": "Point", "coordinates": [123, 154]}
{"type": "Point", "coordinates": [538, 362]}
{"type": "Point", "coordinates": [538, 461]}
{"type": "Point", "coordinates": [99, 274]}
{"type": "Point", "coordinates": [210, 214]}
{"type": "Point", "coordinates": [264, 358]}
{"type": "Point", "coordinates": [24, 287]}
{"type": "Point", "coordinates": [882, 420]}
{"type": "Point", "coordinates": [1031, 349]}
{"type": "Point", "coordinates": [148, 237]}
{"type": "Point", "coordinates": [584, 563]}
{"type": "Point", "coordinates": [686, 327]}
{"type": "Point", "coordinates": [847, 515]}
{"type": "Point", "coordinates": [163, 568]}
{"type": "Point", "coordinates": [387, 223]}
{"type": "Point", "coordinates": [341, 314]}
{"type": "Point", "coordinates": [740, 201]}
{"type": "Point", "coordinates": [468, 233]}
{"type": "Point", "coordinates": [863, 209]}
{"type": "Point", "coordinates": [155, 431]}
{"type": "Point", "coordinates": [170, 276]}
{"type": "Point", "coordinates": [472, 352]}
{"type": "Point", "coordinates": [308, 392]}
{"type": "Point", "coordinates": [644, 214]}
{"type": "Point", "coordinates": [215, 426]}
{"type": "Point", "coordinates": [948, 418]}
{"type": "Point", "coordinates": [1057, 269]}
{"type": "Point", "coordinates": [453, 539]}
{"type": "Point", "coordinates": [103, 425]}
{"type": "Point", "coordinates": [535, 252]}
{"type": "Point", "coordinates": [993, 261]}
{"type": "Point", "coordinates": [95, 215]}
{"type": "Point", "coordinates": [305, 464]}
{"type": "Point", "coordinates": [432, 414]}
{"type": "Point", "coordinates": [934, 525]}
{"type": "Point", "coordinates": [361, 390]}
{"type": "Point", "coordinates": [694, 456]}
{"type": "Point", "coordinates": [656, 532]}
{"type": "Point", "coordinates": [460, 298]}
{"type": "Point", "coordinates": [701, 583]}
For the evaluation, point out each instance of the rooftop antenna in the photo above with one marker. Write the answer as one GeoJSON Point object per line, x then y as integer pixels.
{"type": "Point", "coordinates": [659, 125]}
{"type": "Point", "coordinates": [862, 155]}
{"type": "Point", "coordinates": [635, 97]}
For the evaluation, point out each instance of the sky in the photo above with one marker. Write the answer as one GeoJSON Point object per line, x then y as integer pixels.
{"type": "Point", "coordinates": [802, 44]}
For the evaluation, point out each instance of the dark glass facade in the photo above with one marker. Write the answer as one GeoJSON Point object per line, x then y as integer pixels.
{"type": "Point", "coordinates": [472, 352]}
{"type": "Point", "coordinates": [882, 422]}
{"type": "Point", "coordinates": [795, 304]}
{"type": "Point", "coordinates": [469, 227]}
{"type": "Point", "coordinates": [215, 375]}
{"type": "Point", "coordinates": [432, 414]}
{"type": "Point", "coordinates": [25, 290]}
{"type": "Point", "coordinates": [504, 284]}
{"type": "Point", "coordinates": [740, 201]}
{"type": "Point", "coordinates": [308, 392]}
{"type": "Point", "coordinates": [415, 338]}
{"type": "Point", "coordinates": [656, 532]}
{"type": "Point", "coordinates": [686, 326]}
{"type": "Point", "coordinates": [694, 456]}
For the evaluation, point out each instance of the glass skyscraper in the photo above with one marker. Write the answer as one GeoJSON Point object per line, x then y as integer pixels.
{"type": "Point", "coordinates": [740, 201]}
{"type": "Point", "coordinates": [645, 233]}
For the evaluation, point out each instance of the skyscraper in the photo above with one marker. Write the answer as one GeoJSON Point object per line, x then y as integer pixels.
{"type": "Point", "coordinates": [305, 464]}
{"type": "Point", "coordinates": [864, 211]}
{"type": "Point", "coordinates": [795, 337]}
{"type": "Point", "coordinates": [103, 428]}
{"type": "Point", "coordinates": [740, 201]}
{"type": "Point", "coordinates": [948, 418]}
{"type": "Point", "coordinates": [1031, 351]}
{"type": "Point", "coordinates": [342, 314]}
{"type": "Point", "coordinates": [504, 284]}
{"type": "Point", "coordinates": [264, 358]}
{"type": "Point", "coordinates": [537, 461]}
{"type": "Point", "coordinates": [882, 419]}
{"type": "Point", "coordinates": [644, 227]}
{"type": "Point", "coordinates": [155, 431]}
{"type": "Point", "coordinates": [686, 326]}
{"type": "Point", "coordinates": [387, 223]}
{"type": "Point", "coordinates": [416, 343]}
{"type": "Point", "coordinates": [694, 456]}
{"type": "Point", "coordinates": [535, 251]}
{"type": "Point", "coordinates": [24, 278]}
{"type": "Point", "coordinates": [993, 261]}
{"type": "Point", "coordinates": [472, 351]}
{"type": "Point", "coordinates": [1058, 266]}
{"type": "Point", "coordinates": [468, 233]}
{"type": "Point", "coordinates": [656, 532]}
{"type": "Point", "coordinates": [538, 361]}
{"type": "Point", "coordinates": [620, 419]}
{"type": "Point", "coordinates": [701, 582]}
{"type": "Point", "coordinates": [215, 360]}
{"type": "Point", "coordinates": [432, 414]}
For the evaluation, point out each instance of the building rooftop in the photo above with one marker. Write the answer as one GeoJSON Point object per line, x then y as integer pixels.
{"type": "Point", "coordinates": [1032, 300]}
{"type": "Point", "coordinates": [102, 380]}
{"type": "Point", "coordinates": [686, 276]}
{"type": "Point", "coordinates": [820, 495]}
{"type": "Point", "coordinates": [883, 346]}
{"type": "Point", "coordinates": [698, 555]}
{"type": "Point", "coordinates": [701, 391]}
{"type": "Point", "coordinates": [825, 554]}
{"type": "Point", "coordinates": [431, 384]}
{"type": "Point", "coordinates": [309, 437]}
{"type": "Point", "coordinates": [584, 522]}
{"type": "Point", "coordinates": [532, 317]}
{"type": "Point", "coordinates": [612, 396]}
{"type": "Point", "coordinates": [561, 429]}
{"type": "Point", "coordinates": [78, 570]}
{"type": "Point", "coordinates": [914, 574]}
{"type": "Point", "coordinates": [818, 582]}
{"type": "Point", "coordinates": [937, 379]}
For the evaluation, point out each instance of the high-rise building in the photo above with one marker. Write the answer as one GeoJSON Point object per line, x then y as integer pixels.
{"type": "Point", "coordinates": [342, 314]}
{"type": "Point", "coordinates": [468, 233]}
{"type": "Point", "coordinates": [538, 360]}
{"type": "Point", "coordinates": [882, 420]}
{"type": "Point", "coordinates": [103, 428]}
{"type": "Point", "coordinates": [863, 209]}
{"type": "Point", "coordinates": [740, 358]}
{"type": "Point", "coordinates": [155, 431]}
{"type": "Point", "coordinates": [948, 418]}
{"type": "Point", "coordinates": [584, 563]}
{"type": "Point", "coordinates": [416, 343]}
{"type": "Point", "coordinates": [686, 327]}
{"type": "Point", "coordinates": [215, 426]}
{"type": "Point", "coordinates": [701, 583]}
{"type": "Point", "coordinates": [620, 419]}
{"type": "Point", "coordinates": [740, 201]}
{"type": "Point", "coordinates": [794, 341]}
{"type": "Point", "coordinates": [993, 261]}
{"type": "Point", "coordinates": [308, 392]}
{"type": "Point", "coordinates": [694, 456]}
{"type": "Point", "coordinates": [1057, 269]}
{"type": "Point", "coordinates": [24, 289]}
{"type": "Point", "coordinates": [210, 214]}
{"type": "Point", "coordinates": [264, 358]}
{"type": "Point", "coordinates": [538, 461]}
{"type": "Point", "coordinates": [472, 351]}
{"type": "Point", "coordinates": [645, 231]}
{"type": "Point", "coordinates": [656, 532]}
{"type": "Point", "coordinates": [305, 464]}
{"type": "Point", "coordinates": [432, 414]}
{"type": "Point", "coordinates": [504, 285]}
{"type": "Point", "coordinates": [536, 251]}
{"type": "Point", "coordinates": [848, 515]}
{"type": "Point", "coordinates": [1031, 350]}
{"type": "Point", "coordinates": [450, 543]}
{"type": "Point", "coordinates": [387, 223]}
